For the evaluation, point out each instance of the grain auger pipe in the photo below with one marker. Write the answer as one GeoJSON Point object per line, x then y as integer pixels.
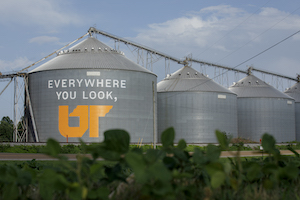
{"type": "Point", "coordinates": [55, 52]}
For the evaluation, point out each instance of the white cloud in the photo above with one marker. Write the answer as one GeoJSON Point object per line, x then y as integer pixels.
{"type": "Point", "coordinates": [45, 13]}
{"type": "Point", "coordinates": [220, 29]}
{"type": "Point", "coordinates": [15, 65]}
{"type": "Point", "coordinates": [44, 39]}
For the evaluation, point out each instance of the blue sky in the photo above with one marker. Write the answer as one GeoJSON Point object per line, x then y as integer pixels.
{"type": "Point", "coordinates": [224, 32]}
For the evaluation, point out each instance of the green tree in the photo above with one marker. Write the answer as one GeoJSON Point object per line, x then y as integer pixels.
{"type": "Point", "coordinates": [6, 129]}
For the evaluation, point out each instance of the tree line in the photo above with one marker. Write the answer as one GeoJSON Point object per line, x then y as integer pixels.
{"type": "Point", "coordinates": [6, 129]}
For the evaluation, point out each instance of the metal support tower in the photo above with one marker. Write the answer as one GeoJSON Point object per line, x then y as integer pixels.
{"type": "Point", "coordinates": [167, 67]}
{"type": "Point", "coordinates": [20, 127]}
{"type": "Point", "coordinates": [202, 69]}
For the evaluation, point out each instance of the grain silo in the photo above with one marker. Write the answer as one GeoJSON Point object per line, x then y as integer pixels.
{"type": "Point", "coordinates": [294, 92]}
{"type": "Point", "coordinates": [195, 106]}
{"type": "Point", "coordinates": [89, 89]}
{"type": "Point", "coordinates": [263, 109]}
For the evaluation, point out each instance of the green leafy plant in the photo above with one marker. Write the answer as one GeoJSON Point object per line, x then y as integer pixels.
{"type": "Point", "coordinates": [169, 172]}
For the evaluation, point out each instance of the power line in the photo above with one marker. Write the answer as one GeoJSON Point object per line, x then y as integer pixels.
{"type": "Point", "coordinates": [231, 30]}
{"type": "Point", "coordinates": [258, 35]}
{"type": "Point", "coordinates": [268, 49]}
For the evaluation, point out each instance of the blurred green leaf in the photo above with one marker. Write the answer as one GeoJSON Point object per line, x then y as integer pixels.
{"type": "Point", "coordinates": [10, 191]}
{"type": "Point", "coordinates": [227, 167]}
{"type": "Point", "coordinates": [114, 173]}
{"type": "Point", "coordinates": [199, 157]}
{"type": "Point", "coordinates": [98, 193]}
{"type": "Point", "coordinates": [269, 168]}
{"type": "Point", "coordinates": [218, 179]}
{"type": "Point", "coordinates": [268, 143]}
{"type": "Point", "coordinates": [288, 172]}
{"type": "Point", "coordinates": [222, 139]}
{"type": "Point", "coordinates": [292, 172]}
{"type": "Point", "coordinates": [214, 167]}
{"type": "Point", "coordinates": [234, 183]}
{"type": "Point", "coordinates": [50, 182]}
{"type": "Point", "coordinates": [138, 165]}
{"type": "Point", "coordinates": [253, 171]}
{"type": "Point", "coordinates": [52, 148]}
{"type": "Point", "coordinates": [152, 155]}
{"type": "Point", "coordinates": [167, 137]}
{"type": "Point", "coordinates": [161, 188]}
{"type": "Point", "coordinates": [97, 170]}
{"type": "Point", "coordinates": [108, 154]}
{"type": "Point", "coordinates": [117, 141]}
{"type": "Point", "coordinates": [75, 191]}
{"type": "Point", "coordinates": [292, 150]}
{"type": "Point", "coordinates": [268, 184]}
{"type": "Point", "coordinates": [181, 175]}
{"type": "Point", "coordinates": [24, 178]}
{"type": "Point", "coordinates": [182, 155]}
{"type": "Point", "coordinates": [181, 144]}
{"type": "Point", "coordinates": [115, 144]}
{"type": "Point", "coordinates": [213, 152]}
{"type": "Point", "coordinates": [160, 172]}
{"type": "Point", "coordinates": [169, 162]}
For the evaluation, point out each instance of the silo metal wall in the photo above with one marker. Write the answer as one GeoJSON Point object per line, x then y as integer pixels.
{"type": "Point", "coordinates": [275, 116]}
{"type": "Point", "coordinates": [196, 115]}
{"type": "Point", "coordinates": [131, 111]}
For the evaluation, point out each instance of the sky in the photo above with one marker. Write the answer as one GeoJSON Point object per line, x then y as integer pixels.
{"type": "Point", "coordinates": [225, 32]}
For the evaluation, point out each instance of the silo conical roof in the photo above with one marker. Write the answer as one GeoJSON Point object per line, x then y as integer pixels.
{"type": "Point", "coordinates": [91, 54]}
{"type": "Point", "coordinates": [188, 79]}
{"type": "Point", "coordinates": [88, 89]}
{"type": "Point", "coordinates": [294, 92]}
{"type": "Point", "coordinates": [251, 86]}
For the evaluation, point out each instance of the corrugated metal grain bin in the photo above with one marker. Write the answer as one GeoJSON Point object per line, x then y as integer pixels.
{"type": "Point", "coordinates": [264, 109]}
{"type": "Point", "coordinates": [195, 106]}
{"type": "Point", "coordinates": [89, 89]}
{"type": "Point", "coordinates": [294, 92]}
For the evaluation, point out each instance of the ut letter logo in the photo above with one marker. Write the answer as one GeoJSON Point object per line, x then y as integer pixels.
{"type": "Point", "coordinates": [86, 114]}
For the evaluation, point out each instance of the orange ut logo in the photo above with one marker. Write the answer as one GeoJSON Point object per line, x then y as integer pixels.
{"type": "Point", "coordinates": [86, 114]}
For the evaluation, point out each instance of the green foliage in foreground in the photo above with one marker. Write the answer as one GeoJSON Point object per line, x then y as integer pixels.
{"type": "Point", "coordinates": [76, 149]}
{"type": "Point", "coordinates": [169, 172]}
